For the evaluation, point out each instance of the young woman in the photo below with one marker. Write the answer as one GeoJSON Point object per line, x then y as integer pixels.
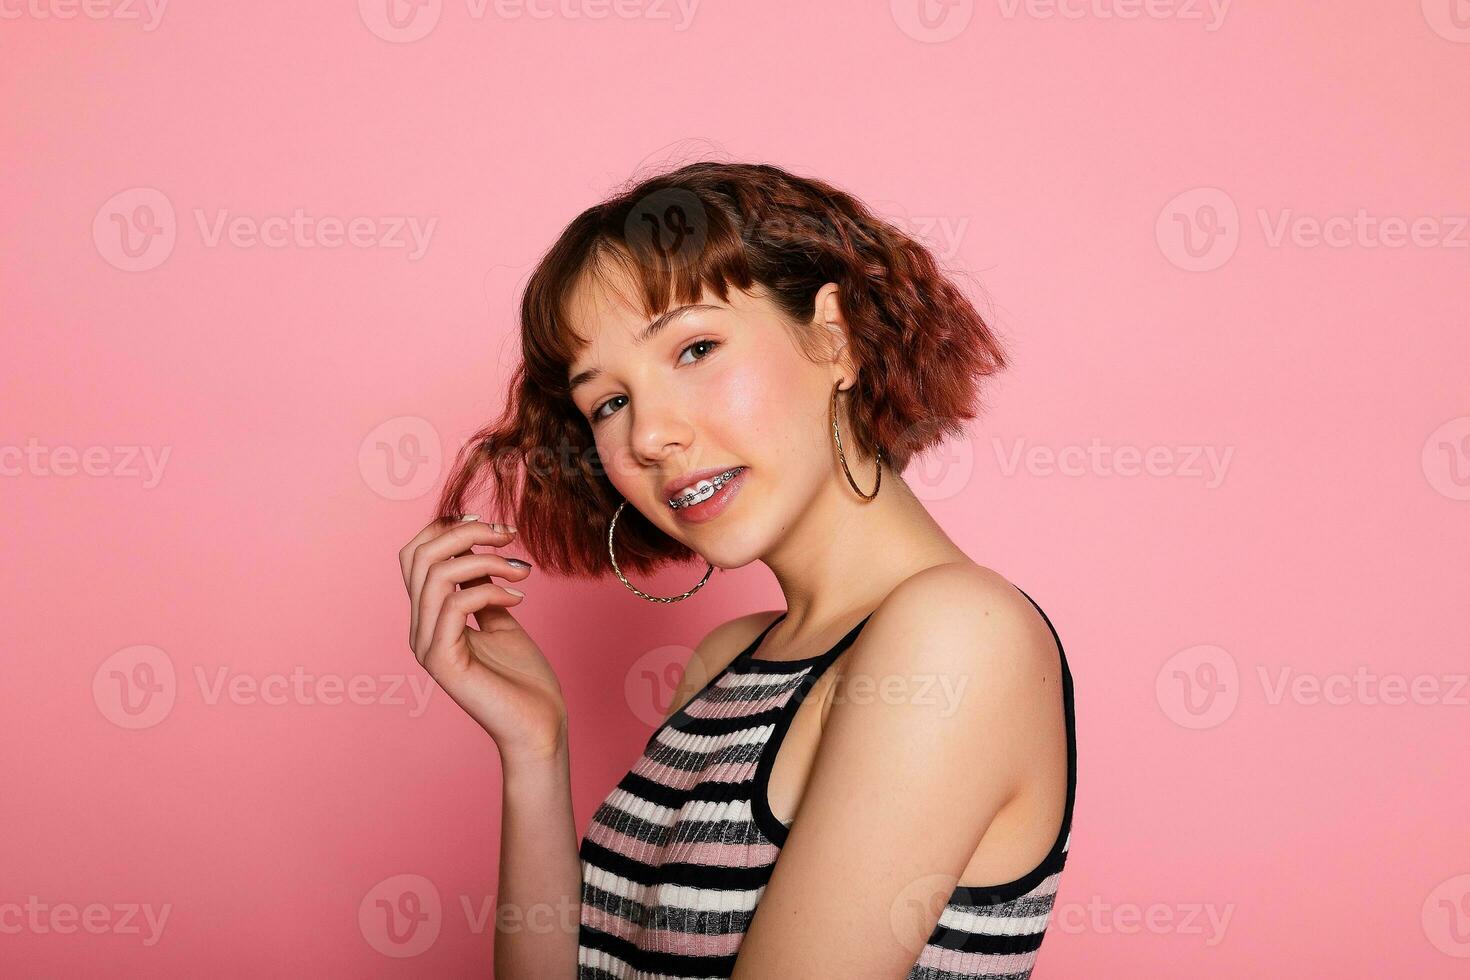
{"type": "Point", "coordinates": [733, 363]}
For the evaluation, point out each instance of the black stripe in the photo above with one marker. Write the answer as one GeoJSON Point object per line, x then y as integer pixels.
{"type": "Point", "coordinates": [687, 831]}
{"type": "Point", "coordinates": [970, 942]}
{"type": "Point", "coordinates": [710, 876]}
{"type": "Point", "coordinates": [651, 962]}
{"type": "Point", "coordinates": [597, 973]}
{"type": "Point", "coordinates": [692, 760]}
{"type": "Point", "coordinates": [697, 923]}
{"type": "Point", "coordinates": [713, 790]}
{"type": "Point", "coordinates": [1013, 908]}
{"type": "Point", "coordinates": [718, 832]}
{"type": "Point", "coordinates": [723, 726]}
{"type": "Point", "coordinates": [631, 825]}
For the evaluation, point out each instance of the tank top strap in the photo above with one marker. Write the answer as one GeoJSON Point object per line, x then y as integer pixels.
{"type": "Point", "coordinates": [805, 673]}
{"type": "Point", "coordinates": [760, 637]}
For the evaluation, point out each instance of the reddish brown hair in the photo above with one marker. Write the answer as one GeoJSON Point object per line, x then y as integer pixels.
{"type": "Point", "coordinates": [920, 345]}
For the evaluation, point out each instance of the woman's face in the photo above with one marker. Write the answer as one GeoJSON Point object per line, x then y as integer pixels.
{"type": "Point", "coordinates": [714, 387]}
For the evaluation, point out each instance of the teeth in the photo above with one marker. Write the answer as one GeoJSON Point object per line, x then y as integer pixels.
{"type": "Point", "coordinates": [702, 491]}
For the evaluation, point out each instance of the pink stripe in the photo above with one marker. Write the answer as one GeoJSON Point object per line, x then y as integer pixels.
{"type": "Point", "coordinates": [725, 772]}
{"type": "Point", "coordinates": [613, 925]}
{"type": "Point", "coordinates": [690, 943]}
{"type": "Point", "coordinates": [621, 843]}
{"type": "Point", "coordinates": [976, 964]}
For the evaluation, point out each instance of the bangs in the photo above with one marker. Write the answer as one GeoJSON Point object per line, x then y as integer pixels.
{"type": "Point", "coordinates": [652, 259]}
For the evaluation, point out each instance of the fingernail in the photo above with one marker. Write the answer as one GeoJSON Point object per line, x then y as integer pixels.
{"type": "Point", "coordinates": [515, 592]}
{"type": "Point", "coordinates": [518, 563]}
{"type": "Point", "coordinates": [511, 528]}
{"type": "Point", "coordinates": [469, 517]}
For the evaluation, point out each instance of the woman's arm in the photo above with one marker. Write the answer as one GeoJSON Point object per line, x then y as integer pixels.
{"type": "Point", "coordinates": [539, 906]}
{"type": "Point", "coordinates": [906, 779]}
{"type": "Point", "coordinates": [500, 677]}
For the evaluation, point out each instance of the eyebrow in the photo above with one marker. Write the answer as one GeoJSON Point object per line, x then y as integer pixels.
{"type": "Point", "coordinates": [647, 334]}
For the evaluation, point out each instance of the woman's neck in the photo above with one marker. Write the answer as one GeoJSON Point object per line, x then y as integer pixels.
{"type": "Point", "coordinates": [846, 554]}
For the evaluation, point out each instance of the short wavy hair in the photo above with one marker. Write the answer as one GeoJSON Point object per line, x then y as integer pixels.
{"type": "Point", "coordinates": [920, 345]}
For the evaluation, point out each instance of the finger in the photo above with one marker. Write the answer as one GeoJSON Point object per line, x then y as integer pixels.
{"type": "Point", "coordinates": [433, 530]}
{"type": "Point", "coordinates": [464, 571]}
{"type": "Point", "coordinates": [454, 541]}
{"type": "Point", "coordinates": [430, 531]}
{"type": "Point", "coordinates": [493, 617]}
{"type": "Point", "coordinates": [446, 645]}
{"type": "Point", "coordinates": [447, 544]}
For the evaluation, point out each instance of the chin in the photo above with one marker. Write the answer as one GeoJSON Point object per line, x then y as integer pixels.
{"type": "Point", "coordinates": [727, 549]}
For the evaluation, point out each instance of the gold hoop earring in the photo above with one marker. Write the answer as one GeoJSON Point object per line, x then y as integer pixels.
{"type": "Point", "coordinates": [842, 456]}
{"type": "Point", "coordinates": [637, 591]}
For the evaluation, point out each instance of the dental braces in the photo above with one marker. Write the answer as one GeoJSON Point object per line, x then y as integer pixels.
{"type": "Point", "coordinates": [703, 490]}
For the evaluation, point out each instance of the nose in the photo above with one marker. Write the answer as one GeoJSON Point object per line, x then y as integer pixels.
{"type": "Point", "coordinates": [660, 428]}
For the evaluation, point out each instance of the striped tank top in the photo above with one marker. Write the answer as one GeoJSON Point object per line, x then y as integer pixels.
{"type": "Point", "coordinates": [678, 854]}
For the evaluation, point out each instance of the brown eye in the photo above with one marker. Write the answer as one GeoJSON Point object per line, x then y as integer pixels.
{"type": "Point", "coordinates": [596, 415]}
{"type": "Point", "coordinates": [711, 344]}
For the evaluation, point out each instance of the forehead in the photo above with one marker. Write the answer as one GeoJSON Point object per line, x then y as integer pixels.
{"type": "Point", "coordinates": [606, 298]}
{"type": "Point", "coordinates": [607, 309]}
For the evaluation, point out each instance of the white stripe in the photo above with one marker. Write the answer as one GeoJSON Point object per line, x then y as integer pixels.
{"type": "Point", "coordinates": [682, 897]}
{"type": "Point", "coordinates": [641, 808]}
{"type": "Point", "coordinates": [690, 899]}
{"type": "Point", "coordinates": [702, 744]}
{"type": "Point", "coordinates": [609, 882]}
{"type": "Point", "coordinates": [694, 811]}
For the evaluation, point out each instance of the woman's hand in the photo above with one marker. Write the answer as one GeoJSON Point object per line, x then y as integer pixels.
{"type": "Point", "coordinates": [495, 673]}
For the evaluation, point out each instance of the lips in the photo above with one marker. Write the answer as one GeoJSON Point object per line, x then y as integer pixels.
{"type": "Point", "coordinates": [711, 500]}
{"type": "Point", "coordinates": [675, 488]}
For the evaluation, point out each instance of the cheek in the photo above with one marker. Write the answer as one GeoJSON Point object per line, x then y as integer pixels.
{"type": "Point", "coordinates": [740, 400]}
{"type": "Point", "coordinates": [615, 460]}
{"type": "Point", "coordinates": [760, 411]}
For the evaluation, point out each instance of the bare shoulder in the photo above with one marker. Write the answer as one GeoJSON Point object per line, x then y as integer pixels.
{"type": "Point", "coordinates": [966, 618]}
{"type": "Point", "coordinates": [714, 653]}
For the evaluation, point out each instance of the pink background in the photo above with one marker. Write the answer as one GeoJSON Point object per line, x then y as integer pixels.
{"type": "Point", "coordinates": [307, 395]}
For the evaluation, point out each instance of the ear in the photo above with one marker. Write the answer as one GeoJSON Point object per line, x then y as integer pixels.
{"type": "Point", "coordinates": [830, 318]}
